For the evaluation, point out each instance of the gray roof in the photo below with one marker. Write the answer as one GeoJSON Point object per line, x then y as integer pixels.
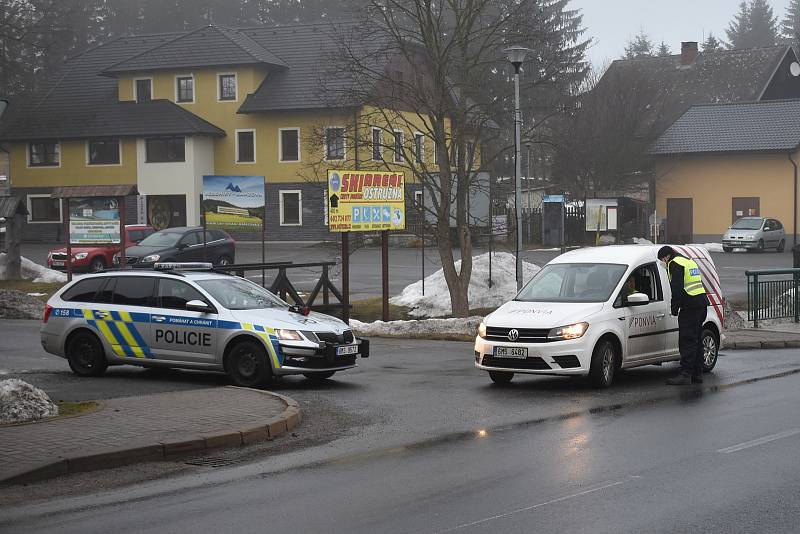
{"type": "Point", "coordinates": [82, 99]}
{"type": "Point", "coordinates": [717, 77]}
{"type": "Point", "coordinates": [113, 119]}
{"type": "Point", "coordinates": [766, 126]}
{"type": "Point", "coordinates": [210, 46]}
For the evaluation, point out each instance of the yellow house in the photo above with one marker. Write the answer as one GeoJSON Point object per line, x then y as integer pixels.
{"type": "Point", "coordinates": [162, 111]}
{"type": "Point", "coordinates": [720, 162]}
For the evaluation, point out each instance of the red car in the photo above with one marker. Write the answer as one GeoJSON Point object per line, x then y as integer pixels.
{"type": "Point", "coordinates": [96, 258]}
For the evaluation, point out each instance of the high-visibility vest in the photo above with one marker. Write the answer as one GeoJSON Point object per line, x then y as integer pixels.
{"type": "Point", "coordinates": [692, 283]}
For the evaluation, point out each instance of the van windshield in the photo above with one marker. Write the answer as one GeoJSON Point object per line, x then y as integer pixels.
{"type": "Point", "coordinates": [747, 224]}
{"type": "Point", "coordinates": [573, 282]}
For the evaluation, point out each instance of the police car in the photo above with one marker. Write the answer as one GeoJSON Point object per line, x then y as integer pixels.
{"type": "Point", "coordinates": [189, 316]}
{"type": "Point", "coordinates": [592, 312]}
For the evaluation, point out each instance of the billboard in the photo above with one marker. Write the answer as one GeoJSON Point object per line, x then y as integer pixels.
{"type": "Point", "coordinates": [366, 201]}
{"type": "Point", "coordinates": [233, 202]}
{"type": "Point", "coordinates": [94, 221]}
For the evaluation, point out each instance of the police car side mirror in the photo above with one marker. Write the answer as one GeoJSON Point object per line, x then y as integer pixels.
{"type": "Point", "coordinates": [199, 306]}
{"type": "Point", "coordinates": [637, 299]}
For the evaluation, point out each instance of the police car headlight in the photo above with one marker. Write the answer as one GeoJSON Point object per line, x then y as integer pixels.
{"type": "Point", "coordinates": [291, 335]}
{"type": "Point", "coordinates": [482, 330]}
{"type": "Point", "coordinates": [81, 255]}
{"type": "Point", "coordinates": [573, 331]}
{"type": "Point", "coordinates": [151, 258]}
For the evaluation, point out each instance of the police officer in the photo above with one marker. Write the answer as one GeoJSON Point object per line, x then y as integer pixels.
{"type": "Point", "coordinates": [690, 304]}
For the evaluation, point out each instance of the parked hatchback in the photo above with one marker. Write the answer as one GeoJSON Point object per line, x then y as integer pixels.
{"type": "Point", "coordinates": [184, 244]}
{"type": "Point", "coordinates": [95, 258]}
{"type": "Point", "coordinates": [755, 233]}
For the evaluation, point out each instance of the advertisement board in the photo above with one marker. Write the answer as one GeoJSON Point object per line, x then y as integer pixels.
{"type": "Point", "coordinates": [233, 202]}
{"type": "Point", "coordinates": [94, 221]}
{"type": "Point", "coordinates": [366, 201]}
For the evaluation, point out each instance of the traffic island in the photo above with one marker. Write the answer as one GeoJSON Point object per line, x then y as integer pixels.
{"type": "Point", "coordinates": [156, 427]}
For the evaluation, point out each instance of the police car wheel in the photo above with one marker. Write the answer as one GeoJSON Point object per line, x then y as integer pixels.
{"type": "Point", "coordinates": [710, 349]}
{"type": "Point", "coordinates": [604, 364]}
{"type": "Point", "coordinates": [86, 356]}
{"type": "Point", "coordinates": [501, 377]}
{"type": "Point", "coordinates": [247, 364]}
{"type": "Point", "coordinates": [319, 377]}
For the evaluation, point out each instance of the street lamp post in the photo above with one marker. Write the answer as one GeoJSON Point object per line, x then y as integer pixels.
{"type": "Point", "coordinates": [516, 55]}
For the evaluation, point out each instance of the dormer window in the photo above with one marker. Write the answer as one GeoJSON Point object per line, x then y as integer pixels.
{"type": "Point", "coordinates": [143, 89]}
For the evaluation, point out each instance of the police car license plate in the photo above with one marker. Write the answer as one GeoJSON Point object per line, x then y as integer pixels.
{"type": "Point", "coordinates": [58, 263]}
{"type": "Point", "coordinates": [511, 352]}
{"type": "Point", "coordinates": [344, 350]}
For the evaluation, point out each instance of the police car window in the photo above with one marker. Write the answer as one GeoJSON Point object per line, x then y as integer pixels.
{"type": "Point", "coordinates": [573, 282]}
{"type": "Point", "coordinates": [133, 290]}
{"type": "Point", "coordinates": [106, 293]}
{"type": "Point", "coordinates": [174, 294]}
{"type": "Point", "coordinates": [84, 290]}
{"type": "Point", "coordinates": [239, 294]}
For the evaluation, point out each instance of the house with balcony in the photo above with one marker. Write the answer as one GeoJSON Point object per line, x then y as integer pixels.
{"type": "Point", "coordinates": [159, 112]}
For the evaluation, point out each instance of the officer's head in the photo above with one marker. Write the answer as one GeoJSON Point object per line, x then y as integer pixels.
{"type": "Point", "coordinates": [665, 254]}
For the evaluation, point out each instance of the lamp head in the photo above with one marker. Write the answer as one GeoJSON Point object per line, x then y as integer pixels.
{"type": "Point", "coordinates": [516, 55]}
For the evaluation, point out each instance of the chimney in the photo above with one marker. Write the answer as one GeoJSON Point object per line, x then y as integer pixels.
{"type": "Point", "coordinates": [688, 52]}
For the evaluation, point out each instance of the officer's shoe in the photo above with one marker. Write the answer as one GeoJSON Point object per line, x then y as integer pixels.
{"type": "Point", "coordinates": [682, 379]}
{"type": "Point", "coordinates": [697, 378]}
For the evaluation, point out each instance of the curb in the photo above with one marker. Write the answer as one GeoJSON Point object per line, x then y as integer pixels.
{"type": "Point", "coordinates": [166, 450]}
{"type": "Point", "coordinates": [770, 344]}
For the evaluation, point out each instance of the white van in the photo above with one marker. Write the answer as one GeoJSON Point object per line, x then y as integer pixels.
{"type": "Point", "coordinates": [592, 312]}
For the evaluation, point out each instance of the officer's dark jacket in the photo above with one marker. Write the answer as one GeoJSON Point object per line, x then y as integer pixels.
{"type": "Point", "coordinates": [679, 297]}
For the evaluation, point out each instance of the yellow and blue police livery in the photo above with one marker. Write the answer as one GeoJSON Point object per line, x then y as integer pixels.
{"type": "Point", "coordinates": [189, 316]}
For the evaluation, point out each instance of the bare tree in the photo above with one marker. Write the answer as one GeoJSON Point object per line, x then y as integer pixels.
{"type": "Point", "coordinates": [436, 72]}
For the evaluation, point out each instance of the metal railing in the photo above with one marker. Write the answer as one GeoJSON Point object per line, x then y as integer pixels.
{"type": "Point", "coordinates": [769, 297]}
{"type": "Point", "coordinates": [284, 288]}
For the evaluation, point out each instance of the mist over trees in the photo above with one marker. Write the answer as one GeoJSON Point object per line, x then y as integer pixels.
{"type": "Point", "coordinates": [754, 25]}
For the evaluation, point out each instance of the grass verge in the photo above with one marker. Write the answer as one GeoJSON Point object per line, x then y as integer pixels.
{"type": "Point", "coordinates": [26, 286]}
{"type": "Point", "coordinates": [70, 409]}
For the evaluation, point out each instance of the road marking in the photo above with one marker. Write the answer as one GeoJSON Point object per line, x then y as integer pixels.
{"type": "Point", "coordinates": [759, 441]}
{"type": "Point", "coordinates": [538, 505]}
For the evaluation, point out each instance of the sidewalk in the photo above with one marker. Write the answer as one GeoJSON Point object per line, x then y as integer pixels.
{"type": "Point", "coordinates": [778, 336]}
{"type": "Point", "coordinates": [138, 429]}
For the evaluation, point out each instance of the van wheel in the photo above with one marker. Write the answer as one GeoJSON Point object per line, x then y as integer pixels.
{"type": "Point", "coordinates": [247, 364]}
{"type": "Point", "coordinates": [710, 345]}
{"type": "Point", "coordinates": [781, 245]}
{"type": "Point", "coordinates": [604, 364]}
{"type": "Point", "coordinates": [86, 356]}
{"type": "Point", "coordinates": [501, 377]}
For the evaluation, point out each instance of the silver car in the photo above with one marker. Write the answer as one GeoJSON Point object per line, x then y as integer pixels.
{"type": "Point", "coordinates": [758, 233]}
{"type": "Point", "coordinates": [193, 319]}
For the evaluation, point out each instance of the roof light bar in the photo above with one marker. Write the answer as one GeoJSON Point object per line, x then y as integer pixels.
{"type": "Point", "coordinates": [185, 266]}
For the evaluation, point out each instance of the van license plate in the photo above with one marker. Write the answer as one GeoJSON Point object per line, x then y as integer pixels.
{"type": "Point", "coordinates": [346, 349]}
{"type": "Point", "coordinates": [511, 352]}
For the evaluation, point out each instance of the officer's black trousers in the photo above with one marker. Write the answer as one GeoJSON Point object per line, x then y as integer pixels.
{"type": "Point", "coordinates": [690, 323]}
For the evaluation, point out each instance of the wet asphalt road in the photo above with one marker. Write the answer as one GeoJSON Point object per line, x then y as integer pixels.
{"type": "Point", "coordinates": [699, 461]}
{"type": "Point", "coordinates": [395, 446]}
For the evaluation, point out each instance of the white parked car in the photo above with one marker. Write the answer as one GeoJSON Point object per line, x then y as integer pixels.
{"type": "Point", "coordinates": [592, 312]}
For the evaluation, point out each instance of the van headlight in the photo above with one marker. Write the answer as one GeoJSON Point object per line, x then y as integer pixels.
{"type": "Point", "coordinates": [572, 331]}
{"type": "Point", "coordinates": [290, 335]}
{"type": "Point", "coordinates": [482, 330]}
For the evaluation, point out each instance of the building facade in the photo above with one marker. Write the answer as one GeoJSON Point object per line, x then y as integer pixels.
{"type": "Point", "coordinates": [162, 111]}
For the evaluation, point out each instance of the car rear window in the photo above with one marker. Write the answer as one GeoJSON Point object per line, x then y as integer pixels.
{"type": "Point", "coordinates": [84, 290]}
{"type": "Point", "coordinates": [133, 290]}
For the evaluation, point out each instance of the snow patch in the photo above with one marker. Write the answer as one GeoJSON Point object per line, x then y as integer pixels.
{"type": "Point", "coordinates": [33, 271]}
{"type": "Point", "coordinates": [420, 328]}
{"type": "Point", "coordinates": [21, 402]}
{"type": "Point", "coordinates": [641, 241]}
{"type": "Point", "coordinates": [436, 301]}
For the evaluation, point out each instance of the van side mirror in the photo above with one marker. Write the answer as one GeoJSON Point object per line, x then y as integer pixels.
{"type": "Point", "coordinates": [637, 299]}
{"type": "Point", "coordinates": [199, 306]}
